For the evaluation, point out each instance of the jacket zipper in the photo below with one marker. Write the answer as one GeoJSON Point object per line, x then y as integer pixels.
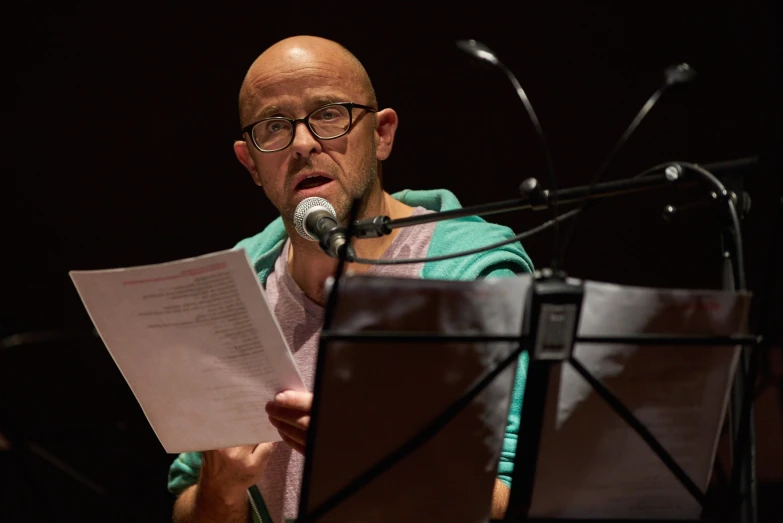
{"type": "Point", "coordinates": [255, 508]}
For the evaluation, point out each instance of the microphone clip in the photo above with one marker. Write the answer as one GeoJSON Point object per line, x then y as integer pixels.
{"type": "Point", "coordinates": [374, 227]}
{"type": "Point", "coordinates": [334, 242]}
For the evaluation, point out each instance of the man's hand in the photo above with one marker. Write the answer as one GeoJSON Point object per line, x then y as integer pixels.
{"type": "Point", "coordinates": [290, 414]}
{"type": "Point", "coordinates": [221, 492]}
{"type": "Point", "coordinates": [227, 473]}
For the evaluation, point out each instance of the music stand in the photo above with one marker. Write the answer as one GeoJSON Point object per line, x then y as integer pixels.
{"type": "Point", "coordinates": [548, 336]}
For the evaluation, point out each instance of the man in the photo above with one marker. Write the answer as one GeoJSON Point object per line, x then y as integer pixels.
{"type": "Point", "coordinates": [312, 127]}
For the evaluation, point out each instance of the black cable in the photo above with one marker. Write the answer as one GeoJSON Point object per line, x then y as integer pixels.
{"type": "Point", "coordinates": [516, 238]}
{"type": "Point", "coordinates": [720, 192]}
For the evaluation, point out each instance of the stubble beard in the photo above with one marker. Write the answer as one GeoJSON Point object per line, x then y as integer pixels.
{"type": "Point", "coordinates": [362, 191]}
{"type": "Point", "coordinates": [360, 188]}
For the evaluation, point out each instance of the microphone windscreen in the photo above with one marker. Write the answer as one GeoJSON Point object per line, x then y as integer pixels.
{"type": "Point", "coordinates": [307, 206]}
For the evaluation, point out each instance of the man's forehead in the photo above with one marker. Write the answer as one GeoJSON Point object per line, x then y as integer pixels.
{"type": "Point", "coordinates": [311, 72]}
{"type": "Point", "coordinates": [305, 90]}
{"type": "Point", "coordinates": [307, 100]}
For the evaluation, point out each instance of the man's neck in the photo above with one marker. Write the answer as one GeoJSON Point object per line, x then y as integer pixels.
{"type": "Point", "coordinates": [309, 266]}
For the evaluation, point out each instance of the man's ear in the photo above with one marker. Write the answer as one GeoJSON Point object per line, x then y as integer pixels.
{"type": "Point", "coordinates": [385, 127]}
{"type": "Point", "coordinates": [244, 157]}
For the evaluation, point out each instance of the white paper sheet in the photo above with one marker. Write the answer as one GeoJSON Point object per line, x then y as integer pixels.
{"type": "Point", "coordinates": [591, 463]}
{"type": "Point", "coordinates": [198, 345]}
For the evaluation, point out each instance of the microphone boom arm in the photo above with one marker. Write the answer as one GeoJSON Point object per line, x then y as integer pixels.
{"type": "Point", "coordinates": [537, 199]}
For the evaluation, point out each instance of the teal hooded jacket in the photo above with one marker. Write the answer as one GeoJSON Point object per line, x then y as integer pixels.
{"type": "Point", "coordinates": [459, 234]}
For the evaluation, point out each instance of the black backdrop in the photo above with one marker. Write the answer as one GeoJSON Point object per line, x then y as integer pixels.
{"type": "Point", "coordinates": [120, 153]}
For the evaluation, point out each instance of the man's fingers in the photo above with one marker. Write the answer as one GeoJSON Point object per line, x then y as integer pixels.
{"type": "Point", "coordinates": [289, 413]}
{"type": "Point", "coordinates": [294, 400]}
{"type": "Point", "coordinates": [300, 448]}
{"type": "Point", "coordinates": [291, 417]}
{"type": "Point", "coordinates": [297, 434]}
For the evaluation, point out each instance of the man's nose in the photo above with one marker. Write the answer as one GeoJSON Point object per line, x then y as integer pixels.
{"type": "Point", "coordinates": [305, 143]}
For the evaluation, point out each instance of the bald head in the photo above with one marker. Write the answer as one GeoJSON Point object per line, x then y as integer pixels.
{"type": "Point", "coordinates": [294, 55]}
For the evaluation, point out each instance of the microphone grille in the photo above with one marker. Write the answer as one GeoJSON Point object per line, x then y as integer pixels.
{"type": "Point", "coordinates": [304, 208]}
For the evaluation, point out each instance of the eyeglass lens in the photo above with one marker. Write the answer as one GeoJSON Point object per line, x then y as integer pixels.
{"type": "Point", "coordinates": [328, 122]}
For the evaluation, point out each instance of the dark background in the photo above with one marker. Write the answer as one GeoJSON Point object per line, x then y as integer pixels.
{"type": "Point", "coordinates": [120, 154]}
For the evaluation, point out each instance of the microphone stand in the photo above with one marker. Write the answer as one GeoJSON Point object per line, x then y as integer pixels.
{"type": "Point", "coordinates": [535, 198]}
{"type": "Point", "coordinates": [670, 174]}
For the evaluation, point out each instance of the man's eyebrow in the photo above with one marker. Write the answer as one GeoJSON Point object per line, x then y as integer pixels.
{"type": "Point", "coordinates": [312, 104]}
{"type": "Point", "coordinates": [268, 111]}
{"type": "Point", "coordinates": [315, 103]}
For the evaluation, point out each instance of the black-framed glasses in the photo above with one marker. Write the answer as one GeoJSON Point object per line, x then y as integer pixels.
{"type": "Point", "coordinates": [326, 123]}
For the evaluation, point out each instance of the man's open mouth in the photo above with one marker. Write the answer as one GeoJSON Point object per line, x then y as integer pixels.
{"type": "Point", "coordinates": [312, 181]}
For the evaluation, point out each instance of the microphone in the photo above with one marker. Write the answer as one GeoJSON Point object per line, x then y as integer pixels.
{"type": "Point", "coordinates": [315, 220]}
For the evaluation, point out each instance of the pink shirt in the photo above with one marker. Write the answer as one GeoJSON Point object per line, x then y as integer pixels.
{"type": "Point", "coordinates": [300, 319]}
